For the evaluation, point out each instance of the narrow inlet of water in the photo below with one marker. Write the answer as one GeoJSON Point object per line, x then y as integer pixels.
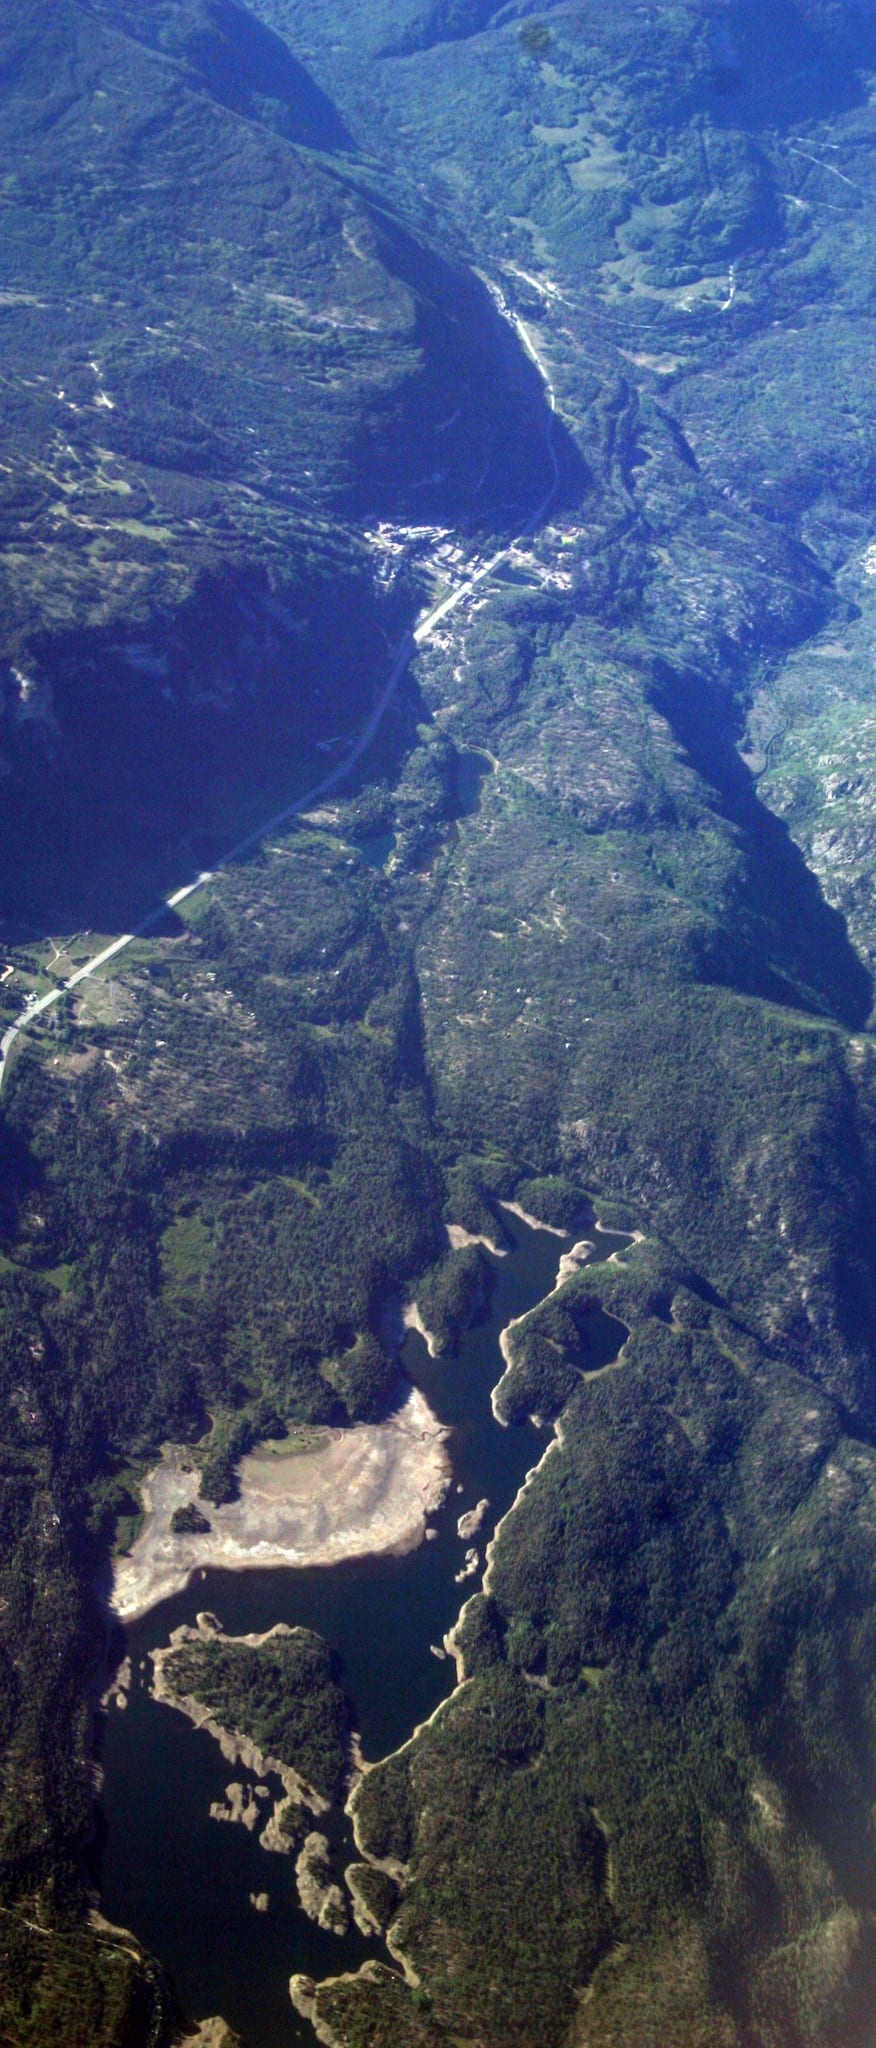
{"type": "Point", "coordinates": [184, 1882]}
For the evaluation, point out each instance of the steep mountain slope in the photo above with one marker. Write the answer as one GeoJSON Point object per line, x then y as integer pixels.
{"type": "Point", "coordinates": [208, 334]}
{"type": "Point", "coordinates": [630, 970]}
{"type": "Point", "coordinates": [626, 966]}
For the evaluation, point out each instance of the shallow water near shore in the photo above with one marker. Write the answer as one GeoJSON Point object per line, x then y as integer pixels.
{"type": "Point", "coordinates": [181, 1881]}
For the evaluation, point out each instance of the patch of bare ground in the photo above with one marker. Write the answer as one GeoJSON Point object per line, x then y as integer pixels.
{"type": "Point", "coordinates": [364, 1490]}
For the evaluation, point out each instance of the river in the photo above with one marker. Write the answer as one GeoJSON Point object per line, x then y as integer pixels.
{"type": "Point", "coordinates": [181, 1881]}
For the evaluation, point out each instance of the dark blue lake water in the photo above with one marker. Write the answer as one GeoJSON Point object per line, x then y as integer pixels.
{"type": "Point", "coordinates": [181, 1881]}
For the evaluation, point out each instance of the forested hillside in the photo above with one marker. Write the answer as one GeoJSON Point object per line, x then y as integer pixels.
{"type": "Point", "coordinates": [223, 355]}
{"type": "Point", "coordinates": [304, 308]}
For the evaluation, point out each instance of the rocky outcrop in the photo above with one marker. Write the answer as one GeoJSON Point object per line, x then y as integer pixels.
{"type": "Point", "coordinates": [321, 1899]}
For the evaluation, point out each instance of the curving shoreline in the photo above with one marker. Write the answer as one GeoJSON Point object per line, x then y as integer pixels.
{"type": "Point", "coordinates": [235, 1747]}
{"type": "Point", "coordinates": [412, 1320]}
{"type": "Point", "coordinates": [571, 1262]}
{"type": "Point", "coordinates": [304, 1991]}
{"type": "Point", "coordinates": [277, 1474]}
{"type": "Point", "coordinates": [364, 1491]}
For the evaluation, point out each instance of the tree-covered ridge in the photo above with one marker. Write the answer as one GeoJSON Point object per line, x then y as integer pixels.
{"type": "Point", "coordinates": [281, 1692]}
{"type": "Point", "coordinates": [651, 1610]}
{"type": "Point", "coordinates": [615, 970]}
{"type": "Point", "coordinates": [211, 1214]}
{"type": "Point", "coordinates": [451, 1293]}
{"type": "Point", "coordinates": [243, 354]}
{"type": "Point", "coordinates": [72, 1990]}
{"type": "Point", "coordinates": [627, 947]}
{"type": "Point", "coordinates": [250, 1170]}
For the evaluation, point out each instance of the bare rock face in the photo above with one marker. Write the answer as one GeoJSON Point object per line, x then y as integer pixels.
{"type": "Point", "coordinates": [321, 1899]}
{"type": "Point", "coordinates": [214, 2033]}
{"type": "Point", "coordinates": [469, 1524]}
{"type": "Point", "coordinates": [242, 1805]}
{"type": "Point", "coordinates": [278, 1835]}
{"type": "Point", "coordinates": [29, 699]}
{"type": "Point", "coordinates": [470, 1568]}
{"type": "Point", "coordinates": [120, 1686]}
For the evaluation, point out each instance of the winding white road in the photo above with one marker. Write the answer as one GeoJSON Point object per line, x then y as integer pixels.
{"type": "Point", "coordinates": [404, 653]}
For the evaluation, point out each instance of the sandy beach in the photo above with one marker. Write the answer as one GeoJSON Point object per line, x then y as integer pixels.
{"type": "Point", "coordinates": [363, 1490]}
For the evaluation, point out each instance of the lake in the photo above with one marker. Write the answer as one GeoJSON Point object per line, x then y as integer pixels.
{"type": "Point", "coordinates": [181, 1881]}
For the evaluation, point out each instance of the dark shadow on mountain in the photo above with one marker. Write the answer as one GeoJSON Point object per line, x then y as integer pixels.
{"type": "Point", "coordinates": [176, 733]}
{"type": "Point", "coordinates": [226, 52]}
{"type": "Point", "coordinates": [21, 1175]}
{"type": "Point", "coordinates": [782, 942]}
{"type": "Point", "coordinates": [440, 21]}
{"type": "Point", "coordinates": [150, 778]}
{"type": "Point", "coordinates": [787, 62]}
{"type": "Point", "coordinates": [476, 414]}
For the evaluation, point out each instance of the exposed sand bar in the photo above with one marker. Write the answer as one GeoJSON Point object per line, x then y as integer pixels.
{"type": "Point", "coordinates": [534, 1222]}
{"type": "Point", "coordinates": [412, 1320]}
{"type": "Point", "coordinates": [458, 1238]}
{"type": "Point", "coordinates": [362, 1491]}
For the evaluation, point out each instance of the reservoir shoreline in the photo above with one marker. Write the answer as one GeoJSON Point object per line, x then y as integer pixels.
{"type": "Point", "coordinates": [366, 1491]}
{"type": "Point", "coordinates": [162, 1866]}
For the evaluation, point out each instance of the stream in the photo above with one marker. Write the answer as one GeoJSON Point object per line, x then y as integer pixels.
{"type": "Point", "coordinates": [182, 1882]}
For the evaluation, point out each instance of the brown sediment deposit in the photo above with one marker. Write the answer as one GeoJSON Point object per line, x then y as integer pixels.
{"type": "Point", "coordinates": [468, 1525]}
{"type": "Point", "coordinates": [534, 1222]}
{"type": "Point", "coordinates": [304, 1993]}
{"type": "Point", "coordinates": [413, 1320]}
{"type": "Point", "coordinates": [470, 1568]}
{"type": "Point", "coordinates": [458, 1238]}
{"type": "Point", "coordinates": [321, 1899]}
{"type": "Point", "coordinates": [276, 1837]}
{"type": "Point", "coordinates": [120, 1685]}
{"type": "Point", "coordinates": [360, 1491]}
{"type": "Point", "coordinates": [214, 2033]}
{"type": "Point", "coordinates": [363, 1914]}
{"type": "Point", "coordinates": [572, 1261]}
{"type": "Point", "coordinates": [240, 1805]}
